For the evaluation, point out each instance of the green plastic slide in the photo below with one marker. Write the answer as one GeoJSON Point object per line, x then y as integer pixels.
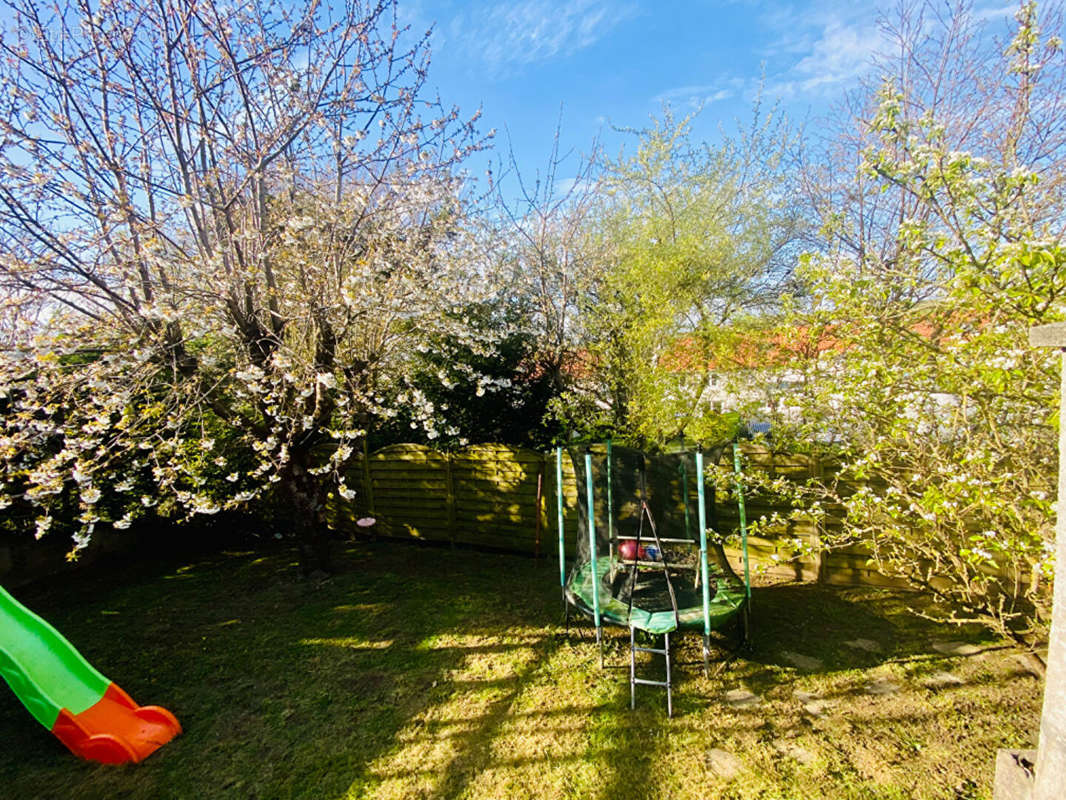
{"type": "Point", "coordinates": [42, 668]}
{"type": "Point", "coordinates": [91, 715]}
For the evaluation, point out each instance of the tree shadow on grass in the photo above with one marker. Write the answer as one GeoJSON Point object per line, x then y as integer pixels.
{"type": "Point", "coordinates": [284, 689]}
{"type": "Point", "coordinates": [425, 673]}
{"type": "Point", "coordinates": [841, 628]}
{"type": "Point", "coordinates": [469, 729]}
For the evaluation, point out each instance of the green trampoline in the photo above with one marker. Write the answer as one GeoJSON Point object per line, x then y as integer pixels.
{"type": "Point", "coordinates": [643, 557]}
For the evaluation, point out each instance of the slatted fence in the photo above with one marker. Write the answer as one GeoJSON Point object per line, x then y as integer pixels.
{"type": "Point", "coordinates": [487, 495]}
{"type": "Point", "coordinates": [505, 497]}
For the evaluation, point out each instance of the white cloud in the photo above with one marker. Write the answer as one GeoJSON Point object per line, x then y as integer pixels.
{"type": "Point", "coordinates": [813, 51]}
{"type": "Point", "coordinates": [996, 12]}
{"type": "Point", "coordinates": [565, 186]}
{"type": "Point", "coordinates": [510, 35]}
{"type": "Point", "coordinates": [842, 53]}
{"type": "Point", "coordinates": [701, 95]}
{"type": "Point", "coordinates": [819, 48]}
{"type": "Point", "coordinates": [833, 43]}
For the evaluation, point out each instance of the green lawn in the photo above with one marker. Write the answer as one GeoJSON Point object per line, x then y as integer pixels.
{"type": "Point", "coordinates": [425, 672]}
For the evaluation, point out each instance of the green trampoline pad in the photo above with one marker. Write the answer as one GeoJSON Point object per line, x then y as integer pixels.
{"type": "Point", "coordinates": [726, 602]}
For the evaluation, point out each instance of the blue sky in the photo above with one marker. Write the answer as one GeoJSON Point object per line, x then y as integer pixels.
{"type": "Point", "coordinates": [613, 62]}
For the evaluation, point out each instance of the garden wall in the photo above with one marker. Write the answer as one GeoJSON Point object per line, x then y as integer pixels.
{"type": "Point", "coordinates": [24, 560]}
{"type": "Point", "coordinates": [504, 497]}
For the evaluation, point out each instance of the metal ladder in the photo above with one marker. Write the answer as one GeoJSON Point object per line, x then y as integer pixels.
{"type": "Point", "coordinates": [636, 567]}
{"type": "Point", "coordinates": [634, 680]}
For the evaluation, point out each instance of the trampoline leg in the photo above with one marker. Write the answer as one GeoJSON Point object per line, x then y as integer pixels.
{"type": "Point", "coordinates": [599, 642]}
{"type": "Point", "coordinates": [706, 656]}
{"type": "Point", "coordinates": [669, 693]}
{"type": "Point", "coordinates": [632, 668]}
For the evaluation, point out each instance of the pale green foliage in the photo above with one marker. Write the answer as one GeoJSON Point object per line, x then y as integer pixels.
{"type": "Point", "coordinates": [697, 237]}
{"type": "Point", "coordinates": [941, 412]}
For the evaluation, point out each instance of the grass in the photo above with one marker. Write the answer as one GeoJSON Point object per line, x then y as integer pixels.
{"type": "Point", "coordinates": [412, 675]}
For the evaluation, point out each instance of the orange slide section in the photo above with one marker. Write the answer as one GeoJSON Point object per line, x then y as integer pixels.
{"type": "Point", "coordinates": [116, 730]}
{"type": "Point", "coordinates": [68, 696]}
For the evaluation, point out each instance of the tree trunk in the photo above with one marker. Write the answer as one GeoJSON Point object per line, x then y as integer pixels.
{"type": "Point", "coordinates": [304, 494]}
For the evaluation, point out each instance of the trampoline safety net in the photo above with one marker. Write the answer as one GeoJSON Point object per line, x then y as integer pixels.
{"type": "Point", "coordinates": [642, 565]}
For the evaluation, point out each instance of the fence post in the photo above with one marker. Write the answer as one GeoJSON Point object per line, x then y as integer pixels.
{"type": "Point", "coordinates": [561, 520]}
{"type": "Point", "coordinates": [1014, 781]}
{"type": "Point", "coordinates": [818, 553]}
{"type": "Point", "coordinates": [368, 480]}
{"type": "Point", "coordinates": [540, 508]}
{"type": "Point", "coordinates": [450, 498]}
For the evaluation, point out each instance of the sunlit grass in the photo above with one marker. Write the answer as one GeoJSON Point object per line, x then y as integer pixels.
{"type": "Point", "coordinates": [421, 672]}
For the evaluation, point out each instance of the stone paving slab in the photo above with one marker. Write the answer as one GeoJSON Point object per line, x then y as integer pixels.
{"type": "Point", "coordinates": [742, 698]}
{"type": "Point", "coordinates": [724, 764]}
{"type": "Point", "coordinates": [816, 708]}
{"type": "Point", "coordinates": [956, 648]}
{"type": "Point", "coordinates": [808, 663]}
{"type": "Point", "coordinates": [813, 703]}
{"type": "Point", "coordinates": [882, 686]}
{"type": "Point", "coordinates": [942, 680]}
{"type": "Point", "coordinates": [794, 751]}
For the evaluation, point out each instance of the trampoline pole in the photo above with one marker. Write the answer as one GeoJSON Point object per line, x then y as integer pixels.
{"type": "Point", "coordinates": [632, 668]}
{"type": "Point", "coordinates": [701, 512]}
{"type": "Point", "coordinates": [685, 495]}
{"type": "Point", "coordinates": [590, 496]}
{"type": "Point", "coordinates": [669, 683]}
{"type": "Point", "coordinates": [610, 504]}
{"type": "Point", "coordinates": [738, 476]}
{"type": "Point", "coordinates": [559, 510]}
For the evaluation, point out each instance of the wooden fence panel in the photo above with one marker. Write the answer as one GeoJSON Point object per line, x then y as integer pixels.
{"type": "Point", "coordinates": [484, 495]}
{"type": "Point", "coordinates": [505, 497]}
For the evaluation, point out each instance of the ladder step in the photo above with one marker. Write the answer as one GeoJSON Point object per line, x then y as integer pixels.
{"type": "Point", "coordinates": [651, 540]}
{"type": "Point", "coordinates": [644, 682]}
{"type": "Point", "coordinates": [650, 650]}
{"type": "Point", "coordinates": [658, 564]}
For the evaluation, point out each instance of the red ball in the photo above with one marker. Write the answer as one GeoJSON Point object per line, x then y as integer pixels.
{"type": "Point", "coordinates": [627, 549]}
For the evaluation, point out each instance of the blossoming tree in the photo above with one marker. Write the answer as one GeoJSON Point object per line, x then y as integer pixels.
{"type": "Point", "coordinates": [224, 229]}
{"type": "Point", "coordinates": [947, 247]}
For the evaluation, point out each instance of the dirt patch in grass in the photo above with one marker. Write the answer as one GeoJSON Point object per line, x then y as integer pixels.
{"type": "Point", "coordinates": [433, 673]}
